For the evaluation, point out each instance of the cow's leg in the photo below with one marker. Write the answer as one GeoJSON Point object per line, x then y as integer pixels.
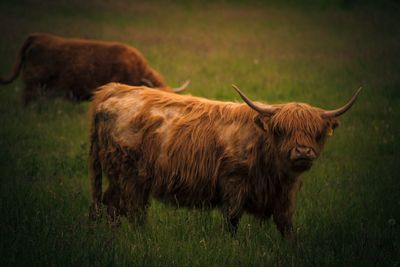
{"type": "Point", "coordinates": [283, 220]}
{"type": "Point", "coordinates": [232, 220]}
{"type": "Point", "coordinates": [135, 191]}
{"type": "Point", "coordinates": [31, 92]}
{"type": "Point", "coordinates": [111, 199]}
{"type": "Point", "coordinates": [137, 213]}
{"type": "Point", "coordinates": [284, 209]}
{"type": "Point", "coordinates": [137, 203]}
{"type": "Point", "coordinates": [233, 199]}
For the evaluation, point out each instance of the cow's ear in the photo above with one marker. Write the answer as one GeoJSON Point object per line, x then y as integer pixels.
{"type": "Point", "coordinates": [259, 120]}
{"type": "Point", "coordinates": [334, 123]}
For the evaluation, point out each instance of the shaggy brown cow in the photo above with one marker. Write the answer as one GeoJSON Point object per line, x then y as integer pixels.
{"type": "Point", "coordinates": [53, 65]}
{"type": "Point", "coordinates": [196, 152]}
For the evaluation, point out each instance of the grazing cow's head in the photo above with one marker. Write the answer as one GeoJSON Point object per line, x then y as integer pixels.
{"type": "Point", "coordinates": [298, 130]}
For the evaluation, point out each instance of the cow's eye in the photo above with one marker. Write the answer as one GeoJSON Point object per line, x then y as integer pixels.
{"type": "Point", "coordinates": [319, 136]}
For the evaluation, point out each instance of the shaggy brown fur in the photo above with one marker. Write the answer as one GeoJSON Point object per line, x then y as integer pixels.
{"type": "Point", "coordinates": [73, 68]}
{"type": "Point", "coordinates": [196, 152]}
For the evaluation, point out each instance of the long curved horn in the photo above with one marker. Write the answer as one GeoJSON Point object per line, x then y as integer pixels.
{"type": "Point", "coordinates": [267, 110]}
{"type": "Point", "coordinates": [341, 110]}
{"type": "Point", "coordinates": [182, 87]}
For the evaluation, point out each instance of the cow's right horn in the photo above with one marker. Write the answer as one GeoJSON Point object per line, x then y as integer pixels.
{"type": "Point", "coordinates": [264, 110]}
{"type": "Point", "coordinates": [182, 87]}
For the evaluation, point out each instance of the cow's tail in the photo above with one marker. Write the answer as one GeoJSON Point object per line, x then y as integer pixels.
{"type": "Point", "coordinates": [95, 169]}
{"type": "Point", "coordinates": [20, 59]}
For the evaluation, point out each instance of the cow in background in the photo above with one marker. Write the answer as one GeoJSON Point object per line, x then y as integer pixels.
{"type": "Point", "coordinates": [74, 68]}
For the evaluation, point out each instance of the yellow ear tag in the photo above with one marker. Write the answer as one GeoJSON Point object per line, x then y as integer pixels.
{"type": "Point", "coordinates": [330, 132]}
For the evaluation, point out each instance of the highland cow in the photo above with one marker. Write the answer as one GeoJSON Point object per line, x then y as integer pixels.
{"type": "Point", "coordinates": [73, 68]}
{"type": "Point", "coordinates": [195, 152]}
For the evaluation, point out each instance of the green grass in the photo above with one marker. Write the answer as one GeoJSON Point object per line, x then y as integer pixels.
{"type": "Point", "coordinates": [348, 211]}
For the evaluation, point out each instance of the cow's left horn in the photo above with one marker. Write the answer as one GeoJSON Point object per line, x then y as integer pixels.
{"type": "Point", "coordinates": [182, 87]}
{"type": "Point", "coordinates": [340, 111]}
{"type": "Point", "coordinates": [264, 110]}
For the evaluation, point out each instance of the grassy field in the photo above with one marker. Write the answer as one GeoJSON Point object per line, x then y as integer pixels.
{"type": "Point", "coordinates": [348, 212]}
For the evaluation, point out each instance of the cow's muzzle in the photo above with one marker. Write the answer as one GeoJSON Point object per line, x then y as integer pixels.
{"type": "Point", "coordinates": [302, 157]}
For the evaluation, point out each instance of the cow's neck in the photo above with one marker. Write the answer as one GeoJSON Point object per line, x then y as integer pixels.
{"type": "Point", "coordinates": [268, 168]}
